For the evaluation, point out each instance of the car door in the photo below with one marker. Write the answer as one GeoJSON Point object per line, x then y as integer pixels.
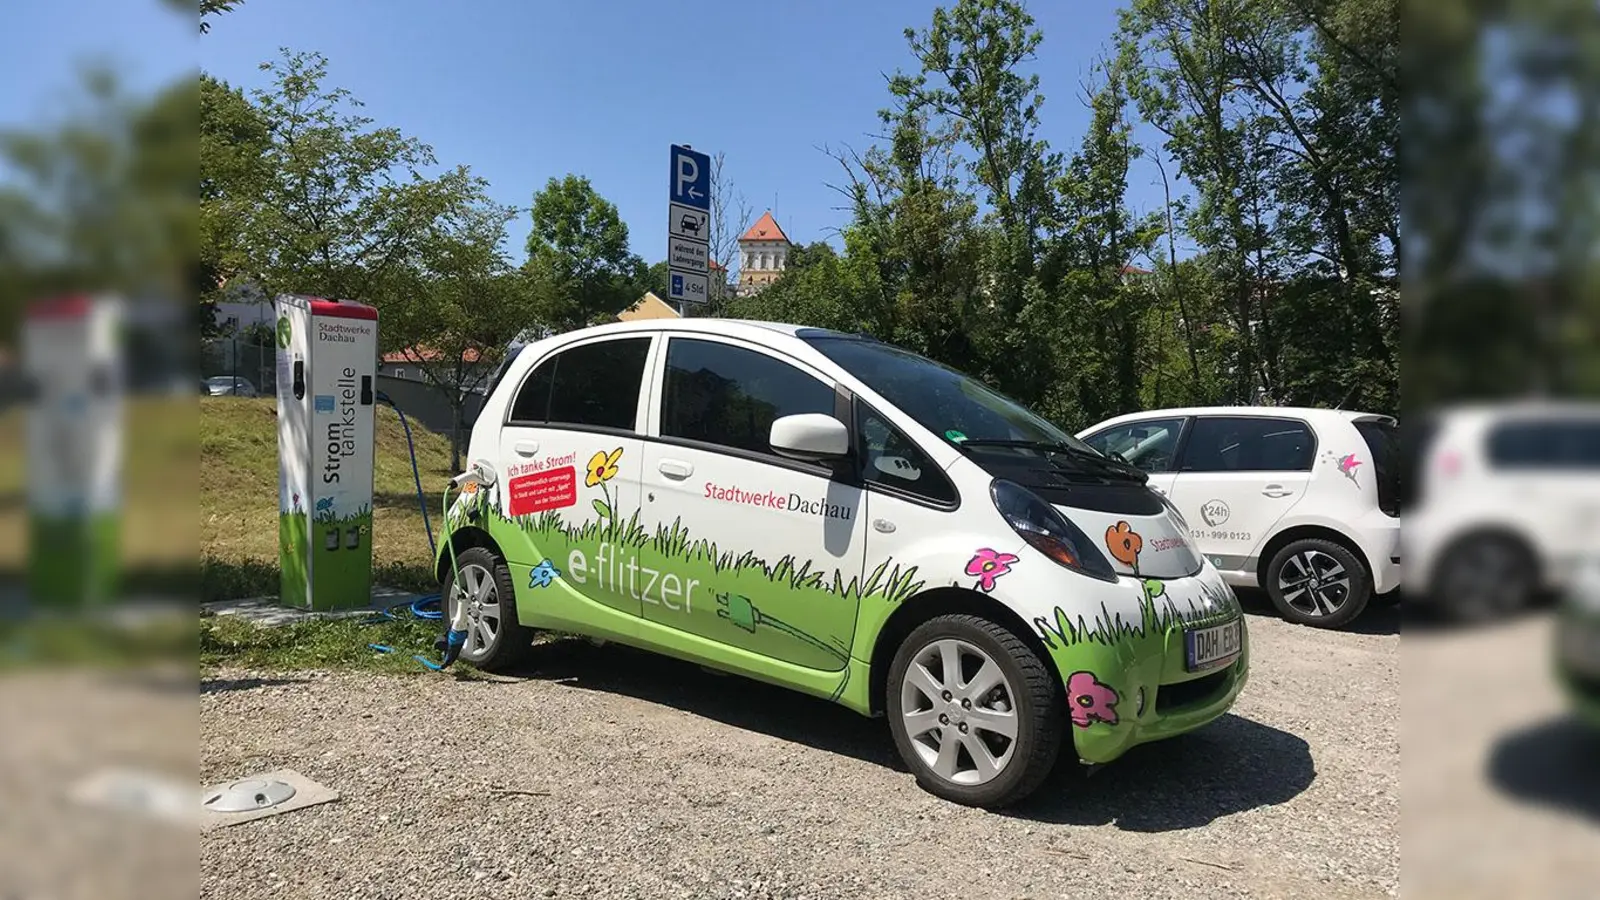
{"type": "Point", "coordinates": [1237, 476]}
{"type": "Point", "coordinates": [1151, 444]}
{"type": "Point", "coordinates": [570, 453]}
{"type": "Point", "coordinates": [750, 549]}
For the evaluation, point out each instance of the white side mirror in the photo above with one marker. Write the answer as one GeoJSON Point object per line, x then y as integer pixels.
{"type": "Point", "coordinates": [810, 436]}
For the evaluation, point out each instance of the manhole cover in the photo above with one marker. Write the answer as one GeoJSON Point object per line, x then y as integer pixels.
{"type": "Point", "coordinates": [249, 795]}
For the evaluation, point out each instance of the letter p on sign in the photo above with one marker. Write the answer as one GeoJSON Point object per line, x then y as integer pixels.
{"type": "Point", "coordinates": [691, 177]}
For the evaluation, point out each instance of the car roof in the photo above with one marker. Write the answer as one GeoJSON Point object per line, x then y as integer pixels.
{"type": "Point", "coordinates": [1308, 413]}
{"type": "Point", "coordinates": [745, 328]}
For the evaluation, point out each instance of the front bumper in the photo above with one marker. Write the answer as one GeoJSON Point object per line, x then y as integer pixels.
{"type": "Point", "coordinates": [1158, 697]}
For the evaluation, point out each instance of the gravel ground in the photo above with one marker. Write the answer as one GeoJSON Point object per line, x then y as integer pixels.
{"type": "Point", "coordinates": [656, 779]}
{"type": "Point", "coordinates": [1502, 785]}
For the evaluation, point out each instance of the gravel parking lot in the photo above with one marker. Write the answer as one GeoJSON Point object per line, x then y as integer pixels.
{"type": "Point", "coordinates": [644, 777]}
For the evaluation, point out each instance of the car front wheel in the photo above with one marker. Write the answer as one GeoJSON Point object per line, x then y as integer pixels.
{"type": "Point", "coordinates": [974, 711]}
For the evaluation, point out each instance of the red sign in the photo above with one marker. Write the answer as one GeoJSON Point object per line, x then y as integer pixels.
{"type": "Point", "coordinates": [555, 489]}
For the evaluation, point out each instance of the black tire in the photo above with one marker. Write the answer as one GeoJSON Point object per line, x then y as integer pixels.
{"type": "Point", "coordinates": [1484, 578]}
{"type": "Point", "coordinates": [1039, 707]}
{"type": "Point", "coordinates": [512, 643]}
{"type": "Point", "coordinates": [1336, 601]}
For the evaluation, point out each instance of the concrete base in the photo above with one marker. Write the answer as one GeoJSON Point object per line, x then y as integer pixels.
{"type": "Point", "coordinates": [267, 610]}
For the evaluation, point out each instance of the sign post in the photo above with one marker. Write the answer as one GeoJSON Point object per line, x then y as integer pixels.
{"type": "Point", "coordinates": [688, 227]}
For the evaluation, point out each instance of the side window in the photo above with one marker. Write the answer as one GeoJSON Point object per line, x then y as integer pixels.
{"type": "Point", "coordinates": [1151, 444]}
{"type": "Point", "coordinates": [1242, 444]}
{"type": "Point", "coordinates": [729, 396]}
{"type": "Point", "coordinates": [596, 385]}
{"type": "Point", "coordinates": [890, 460]}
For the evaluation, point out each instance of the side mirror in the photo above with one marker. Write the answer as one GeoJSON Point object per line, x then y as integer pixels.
{"type": "Point", "coordinates": [814, 437]}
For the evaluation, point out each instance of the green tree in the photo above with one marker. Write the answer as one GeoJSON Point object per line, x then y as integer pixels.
{"type": "Point", "coordinates": [578, 256]}
{"type": "Point", "coordinates": [335, 202]}
{"type": "Point", "coordinates": [466, 303]}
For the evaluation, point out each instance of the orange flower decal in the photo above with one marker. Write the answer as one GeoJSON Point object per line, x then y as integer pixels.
{"type": "Point", "coordinates": [602, 467]}
{"type": "Point", "coordinates": [1124, 544]}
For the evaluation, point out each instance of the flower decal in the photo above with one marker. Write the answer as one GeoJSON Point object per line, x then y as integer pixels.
{"type": "Point", "coordinates": [1124, 544]}
{"type": "Point", "coordinates": [987, 565]}
{"type": "Point", "coordinates": [543, 575]}
{"type": "Point", "coordinates": [602, 467]}
{"type": "Point", "coordinates": [1091, 700]}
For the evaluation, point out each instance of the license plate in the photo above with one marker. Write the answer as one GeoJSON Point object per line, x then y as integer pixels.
{"type": "Point", "coordinates": [1207, 648]}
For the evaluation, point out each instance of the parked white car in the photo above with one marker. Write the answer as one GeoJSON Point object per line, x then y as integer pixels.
{"type": "Point", "coordinates": [1304, 503]}
{"type": "Point", "coordinates": [1506, 504]}
{"type": "Point", "coordinates": [848, 519]}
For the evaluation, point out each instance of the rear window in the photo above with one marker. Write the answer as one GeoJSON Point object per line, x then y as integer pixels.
{"type": "Point", "coordinates": [1383, 441]}
{"type": "Point", "coordinates": [1545, 443]}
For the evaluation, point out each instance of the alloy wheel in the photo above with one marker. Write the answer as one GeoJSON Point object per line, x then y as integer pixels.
{"type": "Point", "coordinates": [959, 712]}
{"type": "Point", "coordinates": [476, 588]}
{"type": "Point", "coordinates": [1314, 583]}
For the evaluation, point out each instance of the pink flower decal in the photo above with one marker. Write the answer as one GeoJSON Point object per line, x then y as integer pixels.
{"type": "Point", "coordinates": [1348, 464]}
{"type": "Point", "coordinates": [1091, 700]}
{"type": "Point", "coordinates": [987, 565]}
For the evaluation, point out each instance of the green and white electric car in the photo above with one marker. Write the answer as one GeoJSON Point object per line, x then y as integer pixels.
{"type": "Point", "coordinates": [845, 518]}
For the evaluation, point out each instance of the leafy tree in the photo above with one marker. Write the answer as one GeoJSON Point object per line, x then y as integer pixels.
{"type": "Point", "coordinates": [334, 202]}
{"type": "Point", "coordinates": [466, 305]}
{"type": "Point", "coordinates": [578, 256]}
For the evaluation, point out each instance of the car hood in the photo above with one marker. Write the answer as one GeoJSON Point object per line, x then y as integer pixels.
{"type": "Point", "coordinates": [1156, 545]}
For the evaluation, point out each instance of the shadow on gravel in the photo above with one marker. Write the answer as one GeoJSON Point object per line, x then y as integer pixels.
{"type": "Point", "coordinates": [225, 685]}
{"type": "Point", "coordinates": [731, 700]}
{"type": "Point", "coordinates": [1383, 615]}
{"type": "Point", "coordinates": [1551, 765]}
{"type": "Point", "coordinates": [1230, 766]}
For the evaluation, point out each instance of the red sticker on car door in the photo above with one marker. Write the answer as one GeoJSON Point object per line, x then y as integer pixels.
{"type": "Point", "coordinates": [554, 489]}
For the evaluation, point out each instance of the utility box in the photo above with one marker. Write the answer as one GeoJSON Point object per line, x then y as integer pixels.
{"type": "Point", "coordinates": [327, 359]}
{"type": "Point", "coordinates": [72, 355]}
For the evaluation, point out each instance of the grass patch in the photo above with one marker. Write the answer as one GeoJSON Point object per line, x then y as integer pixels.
{"type": "Point", "coordinates": [317, 643]}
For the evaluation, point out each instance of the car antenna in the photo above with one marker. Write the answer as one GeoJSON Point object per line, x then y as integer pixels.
{"type": "Point", "coordinates": [1346, 399]}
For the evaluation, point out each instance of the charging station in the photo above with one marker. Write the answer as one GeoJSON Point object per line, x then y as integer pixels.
{"type": "Point", "coordinates": [327, 360]}
{"type": "Point", "coordinates": [72, 357]}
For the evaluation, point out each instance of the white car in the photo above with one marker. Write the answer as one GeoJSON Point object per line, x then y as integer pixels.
{"type": "Point", "coordinates": [839, 516]}
{"type": "Point", "coordinates": [1506, 504]}
{"type": "Point", "coordinates": [1303, 503]}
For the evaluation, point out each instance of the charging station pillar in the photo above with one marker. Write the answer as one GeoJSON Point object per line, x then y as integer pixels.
{"type": "Point", "coordinates": [327, 363]}
{"type": "Point", "coordinates": [72, 356]}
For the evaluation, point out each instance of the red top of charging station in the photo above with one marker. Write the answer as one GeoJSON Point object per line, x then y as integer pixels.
{"type": "Point", "coordinates": [71, 306]}
{"type": "Point", "coordinates": [343, 309]}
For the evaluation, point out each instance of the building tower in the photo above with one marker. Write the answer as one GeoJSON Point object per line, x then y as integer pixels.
{"type": "Point", "coordinates": [763, 254]}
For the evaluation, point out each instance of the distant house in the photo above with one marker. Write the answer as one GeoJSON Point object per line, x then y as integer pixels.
{"type": "Point", "coordinates": [649, 307]}
{"type": "Point", "coordinates": [407, 365]}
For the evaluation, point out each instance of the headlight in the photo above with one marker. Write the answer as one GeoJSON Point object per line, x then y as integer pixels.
{"type": "Point", "coordinates": [1048, 531]}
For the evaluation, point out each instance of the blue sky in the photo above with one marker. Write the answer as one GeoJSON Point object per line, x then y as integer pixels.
{"type": "Point", "coordinates": [523, 91]}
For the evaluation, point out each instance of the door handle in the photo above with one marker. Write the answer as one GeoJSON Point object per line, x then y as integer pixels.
{"type": "Point", "coordinates": [526, 448]}
{"type": "Point", "coordinates": [675, 469]}
{"type": "Point", "coordinates": [1276, 490]}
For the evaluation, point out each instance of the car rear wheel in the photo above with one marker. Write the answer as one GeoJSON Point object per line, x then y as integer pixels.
{"type": "Point", "coordinates": [974, 711]}
{"type": "Point", "coordinates": [1484, 578]}
{"type": "Point", "coordinates": [495, 640]}
{"type": "Point", "coordinates": [1318, 583]}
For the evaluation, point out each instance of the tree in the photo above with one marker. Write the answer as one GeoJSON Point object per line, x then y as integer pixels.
{"type": "Point", "coordinates": [465, 306]}
{"type": "Point", "coordinates": [335, 202]}
{"type": "Point", "coordinates": [578, 256]}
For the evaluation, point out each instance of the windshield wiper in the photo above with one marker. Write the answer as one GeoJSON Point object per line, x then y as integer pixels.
{"type": "Point", "coordinates": [1104, 464]}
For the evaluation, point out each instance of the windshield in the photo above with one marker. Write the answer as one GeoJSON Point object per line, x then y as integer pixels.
{"type": "Point", "coordinates": [942, 400]}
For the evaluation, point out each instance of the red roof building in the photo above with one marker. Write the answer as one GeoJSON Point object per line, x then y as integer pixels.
{"type": "Point", "coordinates": [763, 253]}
